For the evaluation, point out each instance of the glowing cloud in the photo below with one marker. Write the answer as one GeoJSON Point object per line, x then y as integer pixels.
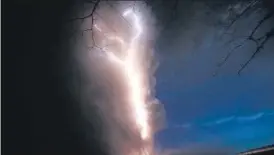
{"type": "Point", "coordinates": [130, 65]}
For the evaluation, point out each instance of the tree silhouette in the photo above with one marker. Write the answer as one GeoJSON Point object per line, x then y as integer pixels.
{"type": "Point", "coordinates": [258, 41]}
{"type": "Point", "coordinates": [167, 12]}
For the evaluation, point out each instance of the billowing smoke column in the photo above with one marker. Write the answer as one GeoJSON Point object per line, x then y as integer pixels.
{"type": "Point", "coordinates": [123, 63]}
{"type": "Point", "coordinates": [131, 69]}
{"type": "Point", "coordinates": [134, 76]}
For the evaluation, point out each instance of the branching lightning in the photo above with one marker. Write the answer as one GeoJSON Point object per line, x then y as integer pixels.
{"type": "Point", "coordinates": [130, 65]}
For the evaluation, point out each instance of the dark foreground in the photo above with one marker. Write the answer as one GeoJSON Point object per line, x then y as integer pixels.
{"type": "Point", "coordinates": [39, 116]}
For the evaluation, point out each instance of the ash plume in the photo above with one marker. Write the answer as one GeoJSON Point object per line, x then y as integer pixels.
{"type": "Point", "coordinates": [112, 78]}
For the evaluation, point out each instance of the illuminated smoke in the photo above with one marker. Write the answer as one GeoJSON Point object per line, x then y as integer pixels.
{"type": "Point", "coordinates": [129, 61]}
{"type": "Point", "coordinates": [133, 72]}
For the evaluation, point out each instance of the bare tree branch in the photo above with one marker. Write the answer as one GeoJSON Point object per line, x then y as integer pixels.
{"type": "Point", "coordinates": [229, 54]}
{"type": "Point", "coordinates": [249, 6]}
{"type": "Point", "coordinates": [258, 49]}
{"type": "Point", "coordinates": [89, 15]}
{"type": "Point", "coordinates": [93, 40]}
{"type": "Point", "coordinates": [90, 29]}
{"type": "Point", "coordinates": [235, 48]}
{"type": "Point", "coordinates": [266, 17]}
{"type": "Point", "coordinates": [258, 41]}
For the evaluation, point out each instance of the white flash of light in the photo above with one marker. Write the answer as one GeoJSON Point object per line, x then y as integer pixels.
{"type": "Point", "coordinates": [135, 79]}
{"type": "Point", "coordinates": [131, 66]}
{"type": "Point", "coordinates": [98, 28]}
{"type": "Point", "coordinates": [133, 71]}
